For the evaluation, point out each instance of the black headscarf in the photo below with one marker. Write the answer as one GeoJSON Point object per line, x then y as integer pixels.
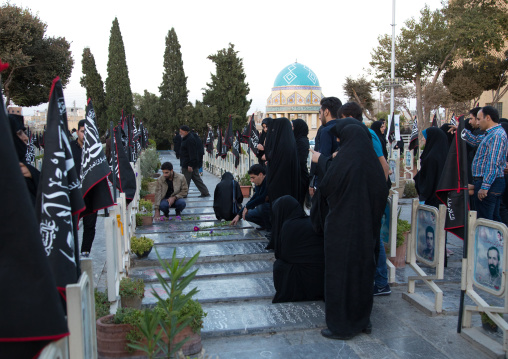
{"type": "Point", "coordinates": [262, 137]}
{"type": "Point", "coordinates": [376, 127]}
{"type": "Point", "coordinates": [283, 175]}
{"type": "Point", "coordinates": [449, 135]}
{"type": "Point", "coordinates": [301, 131]}
{"type": "Point", "coordinates": [432, 162]}
{"type": "Point", "coordinates": [354, 187]}
{"type": "Point", "coordinates": [227, 193]}
{"type": "Point", "coordinates": [21, 147]}
{"type": "Point", "coordinates": [298, 272]}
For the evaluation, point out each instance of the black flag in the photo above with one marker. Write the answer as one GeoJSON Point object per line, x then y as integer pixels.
{"type": "Point", "coordinates": [453, 120]}
{"type": "Point", "coordinates": [434, 121]}
{"type": "Point", "coordinates": [33, 315]}
{"type": "Point", "coordinates": [413, 142]}
{"type": "Point", "coordinates": [59, 196]}
{"type": "Point", "coordinates": [391, 134]}
{"type": "Point", "coordinates": [236, 149]}
{"type": "Point", "coordinates": [94, 168]}
{"type": "Point", "coordinates": [209, 141]}
{"type": "Point", "coordinates": [222, 150]}
{"type": "Point", "coordinates": [252, 135]}
{"type": "Point", "coordinates": [30, 151]}
{"type": "Point", "coordinates": [125, 177]}
{"type": "Point", "coordinates": [452, 186]}
{"type": "Point", "coordinates": [228, 138]}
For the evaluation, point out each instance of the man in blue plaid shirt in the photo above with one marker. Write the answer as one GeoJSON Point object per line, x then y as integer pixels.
{"type": "Point", "coordinates": [489, 163]}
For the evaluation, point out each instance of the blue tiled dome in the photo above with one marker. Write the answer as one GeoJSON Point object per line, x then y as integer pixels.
{"type": "Point", "coordinates": [296, 75]}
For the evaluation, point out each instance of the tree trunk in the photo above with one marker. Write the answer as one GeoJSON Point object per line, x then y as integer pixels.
{"type": "Point", "coordinates": [419, 107]}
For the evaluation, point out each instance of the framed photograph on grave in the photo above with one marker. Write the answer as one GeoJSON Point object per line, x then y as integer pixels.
{"type": "Point", "coordinates": [408, 159]}
{"type": "Point", "coordinates": [426, 234]}
{"type": "Point", "coordinates": [489, 259]}
{"type": "Point", "coordinates": [393, 168]}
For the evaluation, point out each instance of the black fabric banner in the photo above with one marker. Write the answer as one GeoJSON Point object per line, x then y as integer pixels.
{"type": "Point", "coordinates": [32, 314]}
{"type": "Point", "coordinates": [236, 149]}
{"type": "Point", "coordinates": [252, 136]}
{"type": "Point", "coordinates": [59, 196]}
{"type": "Point", "coordinates": [452, 186]}
{"type": "Point", "coordinates": [391, 134]}
{"type": "Point", "coordinates": [413, 142]}
{"type": "Point", "coordinates": [94, 168]}
{"type": "Point", "coordinates": [125, 177]}
{"type": "Point", "coordinates": [30, 151]}
{"type": "Point", "coordinates": [228, 138]}
{"type": "Point", "coordinates": [209, 141]}
{"type": "Point", "coordinates": [222, 150]}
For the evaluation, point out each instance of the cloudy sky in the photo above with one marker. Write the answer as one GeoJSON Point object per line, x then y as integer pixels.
{"type": "Point", "coordinates": [333, 38]}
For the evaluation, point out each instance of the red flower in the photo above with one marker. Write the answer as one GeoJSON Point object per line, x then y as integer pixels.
{"type": "Point", "coordinates": [196, 229]}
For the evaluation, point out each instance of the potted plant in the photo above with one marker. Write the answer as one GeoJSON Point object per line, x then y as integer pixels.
{"type": "Point", "coordinates": [132, 292]}
{"type": "Point", "coordinates": [116, 331]}
{"type": "Point", "coordinates": [403, 229]}
{"type": "Point", "coordinates": [141, 246]}
{"type": "Point", "coordinates": [245, 185]}
{"type": "Point", "coordinates": [487, 323]}
{"type": "Point", "coordinates": [145, 212]}
{"type": "Point", "coordinates": [147, 191]}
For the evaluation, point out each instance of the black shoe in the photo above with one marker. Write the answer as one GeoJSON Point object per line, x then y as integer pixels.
{"type": "Point", "coordinates": [327, 333]}
{"type": "Point", "coordinates": [204, 195]}
{"type": "Point", "coordinates": [178, 213]}
{"type": "Point", "coordinates": [382, 291]}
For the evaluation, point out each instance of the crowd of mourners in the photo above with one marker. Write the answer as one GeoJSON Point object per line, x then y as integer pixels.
{"type": "Point", "coordinates": [336, 253]}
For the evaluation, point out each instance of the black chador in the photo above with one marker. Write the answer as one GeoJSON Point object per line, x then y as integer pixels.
{"type": "Point", "coordinates": [432, 162]}
{"type": "Point", "coordinates": [301, 131]}
{"type": "Point", "coordinates": [227, 198]}
{"type": "Point", "coordinates": [283, 175]}
{"type": "Point", "coordinates": [354, 188]}
{"type": "Point", "coordinates": [298, 271]}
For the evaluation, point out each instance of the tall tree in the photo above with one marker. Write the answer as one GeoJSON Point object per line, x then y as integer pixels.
{"type": "Point", "coordinates": [425, 48]}
{"type": "Point", "coordinates": [92, 82]}
{"type": "Point", "coordinates": [360, 91]}
{"type": "Point", "coordinates": [34, 59]}
{"type": "Point", "coordinates": [118, 85]}
{"type": "Point", "coordinates": [228, 90]}
{"type": "Point", "coordinates": [173, 89]}
{"type": "Point", "coordinates": [147, 108]}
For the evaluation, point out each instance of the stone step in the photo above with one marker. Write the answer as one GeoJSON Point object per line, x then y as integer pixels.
{"type": "Point", "coordinates": [214, 290]}
{"type": "Point", "coordinates": [209, 270]}
{"type": "Point", "coordinates": [209, 252]}
{"type": "Point", "coordinates": [261, 316]}
{"type": "Point", "coordinates": [180, 238]}
{"type": "Point", "coordinates": [202, 203]}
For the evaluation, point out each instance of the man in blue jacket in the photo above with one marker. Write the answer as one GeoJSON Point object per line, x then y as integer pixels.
{"type": "Point", "coordinates": [257, 210]}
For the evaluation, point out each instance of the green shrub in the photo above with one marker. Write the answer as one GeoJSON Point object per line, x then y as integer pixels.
{"type": "Point", "coordinates": [152, 143]}
{"type": "Point", "coordinates": [245, 180]}
{"type": "Point", "coordinates": [133, 317]}
{"type": "Point", "coordinates": [149, 162]}
{"type": "Point", "coordinates": [410, 190]}
{"type": "Point", "coordinates": [132, 287]}
{"type": "Point", "coordinates": [145, 206]}
{"type": "Point", "coordinates": [101, 304]}
{"type": "Point", "coordinates": [139, 220]}
{"type": "Point", "coordinates": [143, 193]}
{"type": "Point", "coordinates": [145, 181]}
{"type": "Point", "coordinates": [140, 245]}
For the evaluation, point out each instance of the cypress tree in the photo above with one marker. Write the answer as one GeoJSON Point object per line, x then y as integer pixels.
{"type": "Point", "coordinates": [174, 93]}
{"type": "Point", "coordinates": [228, 90]}
{"type": "Point", "coordinates": [92, 82]}
{"type": "Point", "coordinates": [118, 85]}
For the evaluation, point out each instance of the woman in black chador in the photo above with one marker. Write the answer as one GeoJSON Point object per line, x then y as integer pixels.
{"type": "Point", "coordinates": [354, 188]}
{"type": "Point", "coordinates": [301, 131]}
{"type": "Point", "coordinates": [298, 271]}
{"type": "Point", "coordinates": [266, 123]}
{"type": "Point", "coordinates": [30, 173]}
{"type": "Point", "coordinates": [283, 175]}
{"type": "Point", "coordinates": [379, 128]}
{"type": "Point", "coordinates": [432, 162]}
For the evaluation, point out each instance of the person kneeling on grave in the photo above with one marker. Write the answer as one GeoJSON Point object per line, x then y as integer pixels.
{"type": "Point", "coordinates": [299, 268]}
{"type": "Point", "coordinates": [170, 190]}
{"type": "Point", "coordinates": [257, 210]}
{"type": "Point", "coordinates": [227, 198]}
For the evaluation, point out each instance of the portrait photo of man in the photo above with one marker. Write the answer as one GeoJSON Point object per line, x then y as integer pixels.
{"type": "Point", "coordinates": [493, 280]}
{"type": "Point", "coordinates": [489, 258]}
{"type": "Point", "coordinates": [428, 252]}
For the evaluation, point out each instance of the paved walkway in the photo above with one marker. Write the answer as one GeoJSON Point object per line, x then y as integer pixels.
{"type": "Point", "coordinates": [236, 287]}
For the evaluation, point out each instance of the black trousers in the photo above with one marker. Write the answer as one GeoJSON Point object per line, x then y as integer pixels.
{"type": "Point", "coordinates": [88, 232]}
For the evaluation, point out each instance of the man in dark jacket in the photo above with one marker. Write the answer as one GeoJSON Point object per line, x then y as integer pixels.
{"type": "Point", "coordinates": [227, 198]}
{"type": "Point", "coordinates": [201, 148]}
{"type": "Point", "coordinates": [189, 160]}
{"type": "Point", "coordinates": [177, 143]}
{"type": "Point", "coordinates": [257, 210]}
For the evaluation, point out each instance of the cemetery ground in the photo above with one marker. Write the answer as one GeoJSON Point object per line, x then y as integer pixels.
{"type": "Point", "coordinates": [236, 288]}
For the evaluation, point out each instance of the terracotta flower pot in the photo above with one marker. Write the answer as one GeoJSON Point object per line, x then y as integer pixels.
{"type": "Point", "coordinates": [147, 220]}
{"type": "Point", "coordinates": [111, 342]}
{"type": "Point", "coordinates": [150, 197]}
{"type": "Point", "coordinates": [246, 191]}
{"type": "Point", "coordinates": [399, 261]}
{"type": "Point", "coordinates": [131, 302]}
{"type": "Point", "coordinates": [192, 345]}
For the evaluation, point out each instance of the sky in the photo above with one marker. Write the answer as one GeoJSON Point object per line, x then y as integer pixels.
{"type": "Point", "coordinates": [334, 38]}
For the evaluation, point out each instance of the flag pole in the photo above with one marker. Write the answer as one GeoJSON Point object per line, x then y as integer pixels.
{"type": "Point", "coordinates": [113, 159]}
{"type": "Point", "coordinates": [464, 256]}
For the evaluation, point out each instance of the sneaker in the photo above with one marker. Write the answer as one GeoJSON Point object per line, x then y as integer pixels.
{"type": "Point", "coordinates": [85, 254]}
{"type": "Point", "coordinates": [382, 291]}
